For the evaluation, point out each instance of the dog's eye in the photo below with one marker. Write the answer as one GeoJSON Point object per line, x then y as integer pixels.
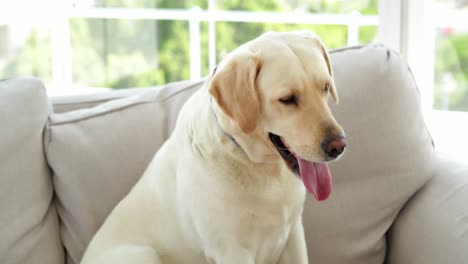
{"type": "Point", "coordinates": [289, 100]}
{"type": "Point", "coordinates": [327, 88]}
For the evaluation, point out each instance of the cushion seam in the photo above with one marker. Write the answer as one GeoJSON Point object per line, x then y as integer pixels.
{"type": "Point", "coordinates": [89, 102]}
{"type": "Point", "coordinates": [115, 97]}
{"type": "Point", "coordinates": [121, 108]}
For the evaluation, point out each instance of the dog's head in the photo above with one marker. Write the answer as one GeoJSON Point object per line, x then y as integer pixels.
{"type": "Point", "coordinates": [273, 93]}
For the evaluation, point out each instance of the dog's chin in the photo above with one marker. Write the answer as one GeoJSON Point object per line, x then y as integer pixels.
{"type": "Point", "coordinates": [288, 156]}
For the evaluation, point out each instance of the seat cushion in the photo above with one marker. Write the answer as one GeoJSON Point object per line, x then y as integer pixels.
{"type": "Point", "coordinates": [432, 227]}
{"type": "Point", "coordinates": [29, 230]}
{"type": "Point", "coordinates": [98, 153]}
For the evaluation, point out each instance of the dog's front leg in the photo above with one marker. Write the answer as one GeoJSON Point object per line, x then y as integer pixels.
{"type": "Point", "coordinates": [295, 251]}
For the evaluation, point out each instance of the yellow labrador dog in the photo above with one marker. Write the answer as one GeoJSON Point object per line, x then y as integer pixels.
{"type": "Point", "coordinates": [228, 186]}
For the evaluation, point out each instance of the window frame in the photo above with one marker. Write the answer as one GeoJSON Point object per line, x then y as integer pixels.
{"type": "Point", "coordinates": [60, 33]}
{"type": "Point", "coordinates": [409, 28]}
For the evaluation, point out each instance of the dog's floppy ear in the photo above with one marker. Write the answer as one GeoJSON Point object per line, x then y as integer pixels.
{"type": "Point", "coordinates": [332, 84]}
{"type": "Point", "coordinates": [234, 88]}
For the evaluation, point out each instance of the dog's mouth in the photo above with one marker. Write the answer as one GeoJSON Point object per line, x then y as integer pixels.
{"type": "Point", "coordinates": [315, 175]}
{"type": "Point", "coordinates": [285, 153]}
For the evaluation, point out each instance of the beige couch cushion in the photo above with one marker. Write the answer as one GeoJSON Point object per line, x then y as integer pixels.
{"type": "Point", "coordinates": [29, 230]}
{"type": "Point", "coordinates": [97, 154]}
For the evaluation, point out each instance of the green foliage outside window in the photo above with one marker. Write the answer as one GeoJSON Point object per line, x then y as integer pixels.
{"type": "Point", "coordinates": [451, 72]}
{"type": "Point", "coordinates": [34, 59]}
{"type": "Point", "coordinates": [173, 36]}
{"type": "Point", "coordinates": [140, 53]}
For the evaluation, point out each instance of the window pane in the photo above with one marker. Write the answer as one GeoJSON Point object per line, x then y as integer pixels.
{"type": "Point", "coordinates": [136, 53]}
{"type": "Point", "coordinates": [451, 70]}
{"type": "Point", "coordinates": [115, 53]}
{"type": "Point", "coordinates": [451, 56]}
{"type": "Point", "coordinates": [25, 50]}
{"type": "Point", "coordinates": [318, 6]}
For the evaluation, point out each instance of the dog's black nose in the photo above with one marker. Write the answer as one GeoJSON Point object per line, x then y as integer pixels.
{"type": "Point", "coordinates": [334, 146]}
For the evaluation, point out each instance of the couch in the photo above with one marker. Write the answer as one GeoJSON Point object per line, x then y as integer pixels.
{"type": "Point", "coordinates": [65, 162]}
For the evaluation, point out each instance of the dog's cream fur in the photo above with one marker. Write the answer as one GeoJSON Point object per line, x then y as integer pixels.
{"type": "Point", "coordinates": [208, 199]}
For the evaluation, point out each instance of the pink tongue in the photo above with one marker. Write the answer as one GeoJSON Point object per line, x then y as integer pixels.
{"type": "Point", "coordinates": [316, 178]}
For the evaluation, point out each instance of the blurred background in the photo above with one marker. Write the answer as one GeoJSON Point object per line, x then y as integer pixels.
{"type": "Point", "coordinates": [128, 43]}
{"type": "Point", "coordinates": [82, 46]}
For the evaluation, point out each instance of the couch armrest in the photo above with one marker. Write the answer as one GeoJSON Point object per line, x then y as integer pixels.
{"type": "Point", "coordinates": [433, 226]}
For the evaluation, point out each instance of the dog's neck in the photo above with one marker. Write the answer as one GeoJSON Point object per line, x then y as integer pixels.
{"type": "Point", "coordinates": [219, 126]}
{"type": "Point", "coordinates": [254, 147]}
{"type": "Point", "coordinates": [205, 129]}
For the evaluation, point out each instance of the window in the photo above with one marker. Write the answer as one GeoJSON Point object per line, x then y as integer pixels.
{"type": "Point", "coordinates": [92, 45]}
{"type": "Point", "coordinates": [434, 36]}
{"type": "Point", "coordinates": [451, 57]}
{"type": "Point", "coordinates": [450, 65]}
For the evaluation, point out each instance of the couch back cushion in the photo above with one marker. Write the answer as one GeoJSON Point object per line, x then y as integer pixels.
{"type": "Point", "coordinates": [29, 231]}
{"type": "Point", "coordinates": [70, 103]}
{"type": "Point", "coordinates": [98, 153]}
